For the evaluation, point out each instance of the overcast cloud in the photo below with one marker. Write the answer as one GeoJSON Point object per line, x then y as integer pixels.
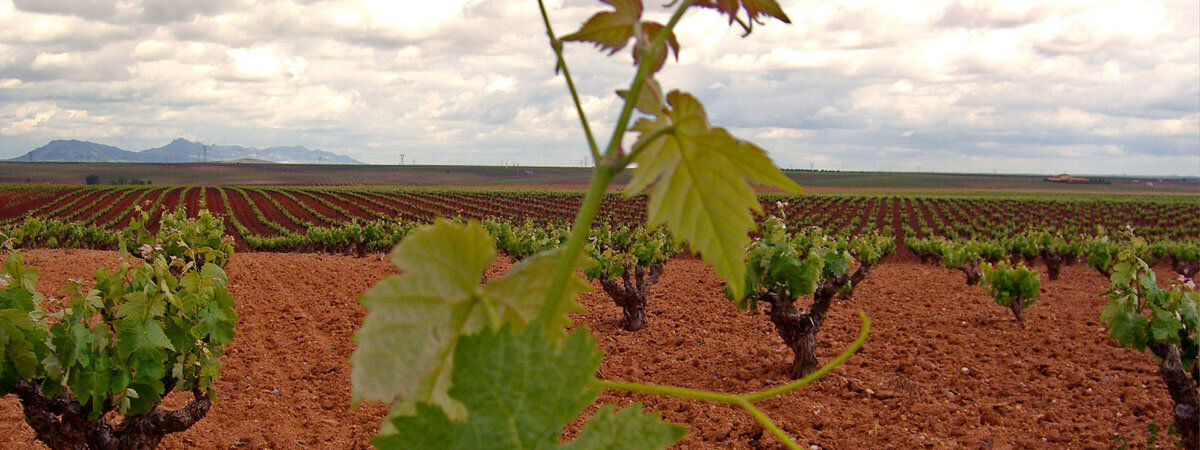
{"type": "Point", "coordinates": [1083, 86]}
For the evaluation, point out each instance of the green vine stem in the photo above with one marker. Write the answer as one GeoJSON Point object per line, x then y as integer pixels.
{"type": "Point", "coordinates": [656, 45]}
{"type": "Point", "coordinates": [556, 45]}
{"type": "Point", "coordinates": [606, 168]}
{"type": "Point", "coordinates": [602, 175]}
{"type": "Point", "coordinates": [746, 401]}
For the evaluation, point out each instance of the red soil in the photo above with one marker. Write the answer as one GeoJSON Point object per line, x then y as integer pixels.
{"type": "Point", "coordinates": [926, 217]}
{"type": "Point", "coordinates": [452, 207]}
{"type": "Point", "coordinates": [312, 202]}
{"type": "Point", "coordinates": [829, 212]}
{"type": "Point", "coordinates": [944, 367]}
{"type": "Point", "coordinates": [13, 197]}
{"type": "Point", "coordinates": [245, 214]}
{"type": "Point", "coordinates": [124, 204]}
{"type": "Point", "coordinates": [25, 201]}
{"type": "Point", "coordinates": [271, 212]}
{"type": "Point", "coordinates": [406, 205]}
{"type": "Point", "coordinates": [296, 210]}
{"type": "Point", "coordinates": [167, 203]}
{"type": "Point", "coordinates": [354, 208]}
{"type": "Point", "coordinates": [87, 200]}
{"type": "Point", "coordinates": [147, 203]}
{"type": "Point", "coordinates": [85, 208]}
{"type": "Point", "coordinates": [214, 204]}
{"type": "Point", "coordinates": [191, 201]}
{"type": "Point", "coordinates": [489, 204]}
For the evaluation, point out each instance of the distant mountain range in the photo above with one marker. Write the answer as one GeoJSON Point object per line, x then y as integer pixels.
{"type": "Point", "coordinates": [178, 151]}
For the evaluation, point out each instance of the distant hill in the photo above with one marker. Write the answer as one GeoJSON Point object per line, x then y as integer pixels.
{"type": "Point", "coordinates": [79, 151]}
{"type": "Point", "coordinates": [179, 150]}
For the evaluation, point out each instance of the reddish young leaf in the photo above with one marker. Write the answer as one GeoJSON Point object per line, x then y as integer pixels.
{"type": "Point", "coordinates": [650, 100]}
{"type": "Point", "coordinates": [649, 31]}
{"type": "Point", "coordinates": [610, 30]}
{"type": "Point", "coordinates": [753, 8]}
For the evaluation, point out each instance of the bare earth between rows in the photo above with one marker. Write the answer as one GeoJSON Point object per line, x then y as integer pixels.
{"type": "Point", "coordinates": [944, 367]}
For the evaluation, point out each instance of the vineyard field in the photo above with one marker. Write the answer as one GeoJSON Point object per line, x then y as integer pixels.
{"type": "Point", "coordinates": [939, 370]}
{"type": "Point", "coordinates": [277, 218]}
{"type": "Point", "coordinates": [692, 267]}
{"type": "Point", "coordinates": [568, 178]}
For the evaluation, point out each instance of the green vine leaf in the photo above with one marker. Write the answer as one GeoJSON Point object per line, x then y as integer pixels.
{"type": "Point", "coordinates": [72, 343]}
{"type": "Point", "coordinates": [16, 352]}
{"type": "Point", "coordinates": [699, 182]}
{"type": "Point", "coordinates": [135, 336]}
{"type": "Point", "coordinates": [90, 386]}
{"type": "Point", "coordinates": [415, 318]}
{"type": "Point", "coordinates": [1165, 326]}
{"type": "Point", "coordinates": [610, 30]}
{"type": "Point", "coordinates": [522, 290]}
{"type": "Point", "coordinates": [629, 428]}
{"type": "Point", "coordinates": [142, 306]}
{"type": "Point", "coordinates": [406, 343]}
{"type": "Point", "coordinates": [1128, 328]}
{"type": "Point", "coordinates": [520, 388]}
{"type": "Point", "coordinates": [217, 319]}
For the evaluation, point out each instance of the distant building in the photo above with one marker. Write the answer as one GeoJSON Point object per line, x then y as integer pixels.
{"type": "Point", "coordinates": [1065, 178]}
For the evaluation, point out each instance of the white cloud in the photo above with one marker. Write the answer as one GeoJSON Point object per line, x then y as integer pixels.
{"type": "Point", "coordinates": [950, 85]}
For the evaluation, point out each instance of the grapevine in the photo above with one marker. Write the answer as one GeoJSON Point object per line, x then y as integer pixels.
{"type": "Point", "coordinates": [785, 266]}
{"type": "Point", "coordinates": [1143, 316]}
{"type": "Point", "coordinates": [433, 335]}
{"type": "Point", "coordinates": [118, 349]}
{"type": "Point", "coordinates": [1014, 287]}
{"type": "Point", "coordinates": [628, 262]}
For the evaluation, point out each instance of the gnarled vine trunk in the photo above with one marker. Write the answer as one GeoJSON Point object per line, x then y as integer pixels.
{"type": "Point", "coordinates": [631, 293]}
{"type": "Point", "coordinates": [61, 422]}
{"type": "Point", "coordinates": [1017, 305]}
{"type": "Point", "coordinates": [799, 329]}
{"type": "Point", "coordinates": [855, 279]}
{"type": "Point", "coordinates": [971, 269]}
{"type": "Point", "coordinates": [1183, 390]}
{"type": "Point", "coordinates": [1185, 268]}
{"type": "Point", "coordinates": [1054, 263]}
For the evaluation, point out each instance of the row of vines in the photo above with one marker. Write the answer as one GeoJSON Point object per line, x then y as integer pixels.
{"type": "Point", "coordinates": [789, 264]}
{"type": "Point", "coordinates": [370, 219]}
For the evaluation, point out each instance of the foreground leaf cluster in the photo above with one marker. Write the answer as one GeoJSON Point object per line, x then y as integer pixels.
{"type": "Point", "coordinates": [1141, 315]}
{"type": "Point", "coordinates": [521, 388]}
{"type": "Point", "coordinates": [468, 362]}
{"type": "Point", "coordinates": [406, 344]}
{"type": "Point", "coordinates": [1164, 321]}
{"type": "Point", "coordinates": [699, 180]}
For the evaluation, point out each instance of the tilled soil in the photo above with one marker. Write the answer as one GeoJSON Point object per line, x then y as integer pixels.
{"type": "Point", "coordinates": [245, 213]}
{"type": "Point", "coordinates": [944, 367]}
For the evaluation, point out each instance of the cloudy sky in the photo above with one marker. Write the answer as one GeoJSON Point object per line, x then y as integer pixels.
{"type": "Point", "coordinates": [1087, 86]}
